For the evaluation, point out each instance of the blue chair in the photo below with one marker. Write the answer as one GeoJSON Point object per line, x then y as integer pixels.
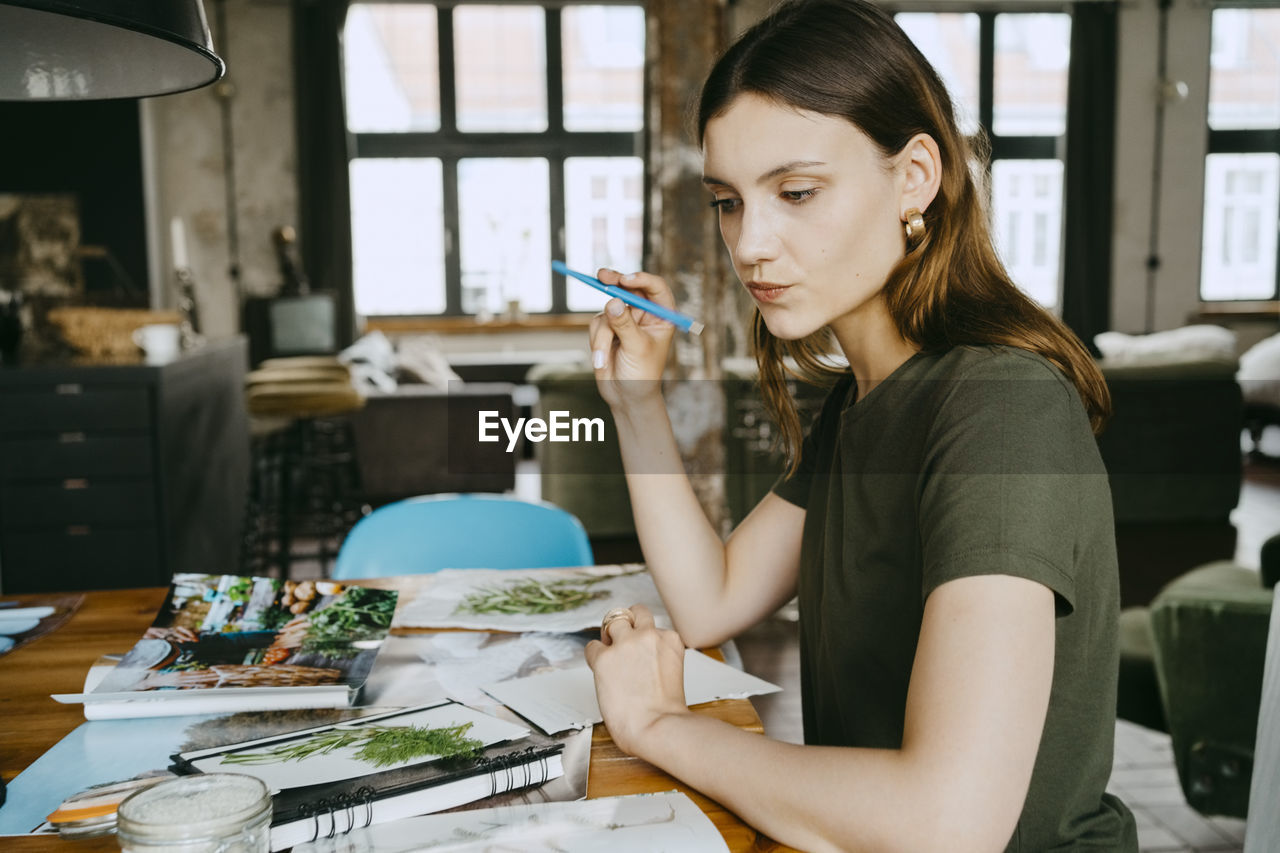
{"type": "Point", "coordinates": [462, 531]}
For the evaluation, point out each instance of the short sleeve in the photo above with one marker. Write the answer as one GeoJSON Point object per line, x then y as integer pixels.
{"type": "Point", "coordinates": [1009, 470]}
{"type": "Point", "coordinates": [795, 489]}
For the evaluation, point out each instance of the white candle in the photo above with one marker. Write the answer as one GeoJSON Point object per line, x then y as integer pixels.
{"type": "Point", "coordinates": [178, 243]}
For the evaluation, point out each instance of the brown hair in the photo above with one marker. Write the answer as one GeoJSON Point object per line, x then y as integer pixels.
{"type": "Point", "coordinates": [849, 58]}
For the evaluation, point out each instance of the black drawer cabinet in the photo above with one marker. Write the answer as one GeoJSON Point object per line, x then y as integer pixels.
{"type": "Point", "coordinates": [51, 456]}
{"type": "Point", "coordinates": [84, 557]}
{"type": "Point", "coordinates": [121, 475]}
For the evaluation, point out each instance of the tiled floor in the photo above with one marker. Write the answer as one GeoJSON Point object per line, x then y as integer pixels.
{"type": "Point", "coordinates": [1144, 777]}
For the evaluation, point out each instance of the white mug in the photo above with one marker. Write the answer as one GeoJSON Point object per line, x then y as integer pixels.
{"type": "Point", "coordinates": [160, 341]}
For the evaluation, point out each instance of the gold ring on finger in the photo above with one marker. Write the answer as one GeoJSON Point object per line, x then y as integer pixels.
{"type": "Point", "coordinates": [615, 614]}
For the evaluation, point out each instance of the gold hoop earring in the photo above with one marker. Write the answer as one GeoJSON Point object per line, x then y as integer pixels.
{"type": "Point", "coordinates": [913, 224]}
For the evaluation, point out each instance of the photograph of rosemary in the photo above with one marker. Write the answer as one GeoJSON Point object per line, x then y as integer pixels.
{"type": "Point", "coordinates": [533, 596]}
{"type": "Point", "coordinates": [381, 746]}
{"type": "Point", "coordinates": [566, 599]}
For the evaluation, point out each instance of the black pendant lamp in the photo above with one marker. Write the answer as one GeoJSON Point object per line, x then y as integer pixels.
{"type": "Point", "coordinates": [64, 50]}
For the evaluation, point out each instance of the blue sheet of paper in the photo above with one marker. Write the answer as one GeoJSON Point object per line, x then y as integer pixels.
{"type": "Point", "coordinates": [94, 753]}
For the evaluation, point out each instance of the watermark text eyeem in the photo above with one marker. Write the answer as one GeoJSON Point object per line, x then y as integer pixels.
{"type": "Point", "coordinates": [559, 426]}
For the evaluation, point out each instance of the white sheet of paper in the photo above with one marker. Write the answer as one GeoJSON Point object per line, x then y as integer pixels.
{"type": "Point", "coordinates": [566, 698]}
{"type": "Point", "coordinates": [417, 669]}
{"type": "Point", "coordinates": [639, 823]}
{"type": "Point", "coordinates": [342, 764]}
{"type": "Point", "coordinates": [438, 606]}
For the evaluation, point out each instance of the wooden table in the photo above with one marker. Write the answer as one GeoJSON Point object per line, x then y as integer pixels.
{"type": "Point", "coordinates": [111, 621]}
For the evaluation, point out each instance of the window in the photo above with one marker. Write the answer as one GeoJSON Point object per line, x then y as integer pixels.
{"type": "Point", "coordinates": [1242, 170]}
{"type": "Point", "coordinates": [1007, 73]}
{"type": "Point", "coordinates": [489, 139]}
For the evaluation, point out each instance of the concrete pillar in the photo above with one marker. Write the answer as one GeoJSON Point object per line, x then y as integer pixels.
{"type": "Point", "coordinates": [684, 247]}
{"type": "Point", "coordinates": [1143, 301]}
{"type": "Point", "coordinates": [187, 166]}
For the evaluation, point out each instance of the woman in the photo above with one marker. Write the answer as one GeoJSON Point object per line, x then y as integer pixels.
{"type": "Point", "coordinates": [946, 523]}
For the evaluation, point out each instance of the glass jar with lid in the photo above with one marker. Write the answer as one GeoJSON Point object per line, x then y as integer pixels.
{"type": "Point", "coordinates": [205, 813]}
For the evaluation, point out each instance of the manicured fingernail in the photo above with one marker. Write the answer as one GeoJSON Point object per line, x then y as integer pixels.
{"type": "Point", "coordinates": [615, 307]}
{"type": "Point", "coordinates": [629, 277]}
{"type": "Point", "coordinates": [597, 359]}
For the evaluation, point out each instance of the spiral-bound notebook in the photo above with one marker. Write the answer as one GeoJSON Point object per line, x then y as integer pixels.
{"type": "Point", "coordinates": [322, 793]}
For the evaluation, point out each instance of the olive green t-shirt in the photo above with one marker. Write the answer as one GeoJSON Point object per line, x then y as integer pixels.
{"type": "Point", "coordinates": [974, 461]}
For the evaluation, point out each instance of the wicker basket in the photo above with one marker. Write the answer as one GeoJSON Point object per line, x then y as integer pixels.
{"type": "Point", "coordinates": [105, 332]}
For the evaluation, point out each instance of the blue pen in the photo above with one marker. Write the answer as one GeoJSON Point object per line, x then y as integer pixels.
{"type": "Point", "coordinates": [675, 318]}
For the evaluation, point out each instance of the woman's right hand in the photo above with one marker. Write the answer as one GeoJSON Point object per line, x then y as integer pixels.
{"type": "Point", "coordinates": [628, 344]}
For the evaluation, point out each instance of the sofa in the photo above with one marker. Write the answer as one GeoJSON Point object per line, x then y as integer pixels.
{"type": "Point", "coordinates": [1259, 377]}
{"type": "Point", "coordinates": [420, 439]}
{"type": "Point", "coordinates": [584, 478]}
{"type": "Point", "coordinates": [587, 479]}
{"type": "Point", "coordinates": [1173, 455]}
{"type": "Point", "coordinates": [1172, 450]}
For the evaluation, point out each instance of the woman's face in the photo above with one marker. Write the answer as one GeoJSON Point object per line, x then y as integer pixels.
{"type": "Point", "coordinates": [809, 209]}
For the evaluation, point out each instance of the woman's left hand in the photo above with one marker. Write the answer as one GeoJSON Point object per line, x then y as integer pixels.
{"type": "Point", "coordinates": [639, 675]}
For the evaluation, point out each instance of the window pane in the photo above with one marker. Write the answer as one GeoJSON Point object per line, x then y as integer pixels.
{"type": "Point", "coordinates": [1244, 69]}
{"type": "Point", "coordinates": [391, 67]}
{"type": "Point", "coordinates": [1026, 207]}
{"type": "Point", "coordinates": [603, 58]}
{"type": "Point", "coordinates": [1241, 201]}
{"type": "Point", "coordinates": [501, 65]}
{"type": "Point", "coordinates": [1032, 54]}
{"type": "Point", "coordinates": [505, 212]}
{"type": "Point", "coordinates": [603, 211]}
{"type": "Point", "coordinates": [950, 43]}
{"type": "Point", "coordinates": [397, 236]}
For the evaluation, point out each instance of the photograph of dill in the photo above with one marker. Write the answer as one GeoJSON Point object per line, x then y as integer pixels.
{"type": "Point", "coordinates": [442, 732]}
{"type": "Point", "coordinates": [381, 746]}
{"type": "Point", "coordinates": [567, 600]}
{"type": "Point", "coordinates": [220, 631]}
{"type": "Point", "coordinates": [388, 765]}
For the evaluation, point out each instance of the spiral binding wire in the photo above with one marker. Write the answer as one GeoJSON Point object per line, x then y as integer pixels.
{"type": "Point", "coordinates": [508, 763]}
{"type": "Point", "coordinates": [364, 796]}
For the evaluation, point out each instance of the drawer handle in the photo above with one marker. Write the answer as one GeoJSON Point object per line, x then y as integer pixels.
{"type": "Point", "coordinates": [75, 483]}
{"type": "Point", "coordinates": [71, 438]}
{"type": "Point", "coordinates": [78, 530]}
{"type": "Point", "coordinates": [69, 388]}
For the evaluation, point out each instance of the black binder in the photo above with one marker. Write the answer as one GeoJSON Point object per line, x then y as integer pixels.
{"type": "Point", "coordinates": [308, 812]}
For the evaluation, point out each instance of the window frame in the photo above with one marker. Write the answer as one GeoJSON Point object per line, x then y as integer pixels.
{"type": "Point", "coordinates": [1007, 146]}
{"type": "Point", "coordinates": [1238, 141]}
{"type": "Point", "coordinates": [1085, 275]}
{"type": "Point", "coordinates": [450, 145]}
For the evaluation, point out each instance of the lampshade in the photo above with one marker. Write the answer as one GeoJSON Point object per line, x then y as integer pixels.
{"type": "Point", "coordinates": [60, 50]}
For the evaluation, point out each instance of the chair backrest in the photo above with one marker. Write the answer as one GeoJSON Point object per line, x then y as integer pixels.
{"type": "Point", "coordinates": [1210, 633]}
{"type": "Point", "coordinates": [462, 531]}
